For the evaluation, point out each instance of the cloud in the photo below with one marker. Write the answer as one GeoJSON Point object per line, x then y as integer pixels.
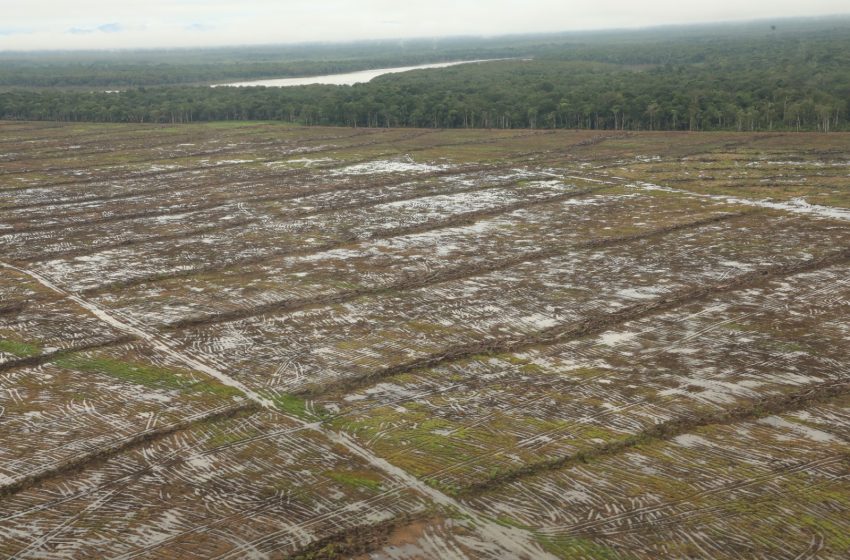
{"type": "Point", "coordinates": [198, 27]}
{"type": "Point", "coordinates": [193, 23]}
{"type": "Point", "coordinates": [110, 28]}
{"type": "Point", "coordinates": [14, 31]}
{"type": "Point", "coordinates": [104, 28]}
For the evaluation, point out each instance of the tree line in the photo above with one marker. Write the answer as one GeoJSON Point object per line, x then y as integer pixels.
{"type": "Point", "coordinates": [748, 81]}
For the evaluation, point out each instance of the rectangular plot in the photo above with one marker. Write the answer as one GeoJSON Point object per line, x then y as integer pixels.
{"type": "Point", "coordinates": [266, 238]}
{"type": "Point", "coordinates": [768, 488]}
{"type": "Point", "coordinates": [357, 338]}
{"type": "Point", "coordinates": [44, 322]}
{"type": "Point", "coordinates": [253, 484]}
{"type": "Point", "coordinates": [383, 262]}
{"type": "Point", "coordinates": [466, 422]}
{"type": "Point", "coordinates": [80, 404]}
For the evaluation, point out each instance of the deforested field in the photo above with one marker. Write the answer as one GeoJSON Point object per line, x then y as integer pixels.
{"type": "Point", "coordinates": [264, 341]}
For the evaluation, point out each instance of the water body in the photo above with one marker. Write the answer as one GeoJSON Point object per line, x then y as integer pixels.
{"type": "Point", "coordinates": [349, 78]}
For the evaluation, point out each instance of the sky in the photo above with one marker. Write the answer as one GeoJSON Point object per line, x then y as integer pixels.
{"type": "Point", "coordinates": [121, 24]}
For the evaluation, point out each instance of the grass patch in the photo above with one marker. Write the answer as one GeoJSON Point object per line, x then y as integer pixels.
{"type": "Point", "coordinates": [215, 388]}
{"type": "Point", "coordinates": [19, 349]}
{"type": "Point", "coordinates": [292, 404]}
{"type": "Point", "coordinates": [356, 479]}
{"type": "Point", "coordinates": [576, 547]}
{"type": "Point", "coordinates": [149, 376]}
{"type": "Point", "coordinates": [221, 437]}
{"type": "Point", "coordinates": [145, 375]}
{"type": "Point", "coordinates": [506, 521]}
{"type": "Point", "coordinates": [295, 406]}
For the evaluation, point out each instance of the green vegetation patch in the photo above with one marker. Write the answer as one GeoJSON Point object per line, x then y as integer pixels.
{"type": "Point", "coordinates": [18, 348]}
{"type": "Point", "coordinates": [291, 404]}
{"type": "Point", "coordinates": [356, 479]}
{"type": "Point", "coordinates": [577, 547]}
{"type": "Point", "coordinates": [294, 406]}
{"type": "Point", "coordinates": [144, 374]}
{"type": "Point", "coordinates": [149, 376]}
{"type": "Point", "coordinates": [221, 435]}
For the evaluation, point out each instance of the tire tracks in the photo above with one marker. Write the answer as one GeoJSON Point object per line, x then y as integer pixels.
{"type": "Point", "coordinates": [520, 542]}
{"type": "Point", "coordinates": [86, 460]}
{"type": "Point", "coordinates": [93, 250]}
{"type": "Point", "coordinates": [758, 408]}
{"type": "Point", "coordinates": [588, 327]}
{"type": "Point", "coordinates": [40, 359]}
{"type": "Point", "coordinates": [457, 220]}
{"type": "Point", "coordinates": [436, 277]}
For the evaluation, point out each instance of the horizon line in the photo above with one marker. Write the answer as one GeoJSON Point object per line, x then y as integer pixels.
{"type": "Point", "coordinates": [313, 43]}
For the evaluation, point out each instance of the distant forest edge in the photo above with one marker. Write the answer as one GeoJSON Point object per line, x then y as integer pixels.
{"type": "Point", "coordinates": [792, 75]}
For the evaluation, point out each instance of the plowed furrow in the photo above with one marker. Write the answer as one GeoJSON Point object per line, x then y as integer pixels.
{"type": "Point", "coordinates": [168, 172]}
{"type": "Point", "coordinates": [181, 209]}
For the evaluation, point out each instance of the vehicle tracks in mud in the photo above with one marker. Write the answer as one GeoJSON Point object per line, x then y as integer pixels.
{"type": "Point", "coordinates": [588, 327]}
{"type": "Point", "coordinates": [87, 460]}
{"type": "Point", "coordinates": [519, 542]}
{"type": "Point", "coordinates": [757, 408]}
{"type": "Point", "coordinates": [456, 220]}
{"type": "Point", "coordinates": [40, 359]}
{"type": "Point", "coordinates": [438, 276]}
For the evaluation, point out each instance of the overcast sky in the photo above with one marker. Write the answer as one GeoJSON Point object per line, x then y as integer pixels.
{"type": "Point", "coordinates": [78, 24]}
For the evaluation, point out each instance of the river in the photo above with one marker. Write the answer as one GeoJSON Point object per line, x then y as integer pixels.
{"type": "Point", "coordinates": [346, 79]}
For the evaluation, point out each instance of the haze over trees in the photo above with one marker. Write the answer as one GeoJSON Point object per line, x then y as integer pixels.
{"type": "Point", "coordinates": [789, 75]}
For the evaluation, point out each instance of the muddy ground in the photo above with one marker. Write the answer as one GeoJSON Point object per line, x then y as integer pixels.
{"type": "Point", "coordinates": [263, 341]}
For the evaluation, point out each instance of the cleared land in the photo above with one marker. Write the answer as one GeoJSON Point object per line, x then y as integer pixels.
{"type": "Point", "coordinates": [264, 341]}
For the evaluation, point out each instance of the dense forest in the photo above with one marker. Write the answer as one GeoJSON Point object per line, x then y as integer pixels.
{"type": "Point", "coordinates": [788, 75]}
